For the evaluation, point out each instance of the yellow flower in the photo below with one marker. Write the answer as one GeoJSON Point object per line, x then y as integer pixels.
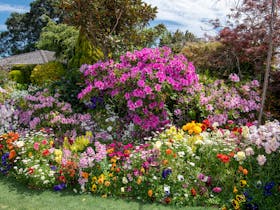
{"type": "Point", "coordinates": [235, 190]}
{"type": "Point", "coordinates": [93, 188]}
{"type": "Point", "coordinates": [94, 179]}
{"type": "Point", "coordinates": [224, 208]}
{"type": "Point", "coordinates": [243, 183]}
{"type": "Point", "coordinates": [197, 129]}
{"type": "Point", "coordinates": [139, 180]}
{"type": "Point", "coordinates": [235, 204]}
{"type": "Point", "coordinates": [30, 154]}
{"type": "Point", "coordinates": [240, 198]}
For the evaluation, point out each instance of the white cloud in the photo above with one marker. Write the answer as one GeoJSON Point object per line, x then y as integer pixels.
{"type": "Point", "coordinates": [191, 15]}
{"type": "Point", "coordinates": [13, 8]}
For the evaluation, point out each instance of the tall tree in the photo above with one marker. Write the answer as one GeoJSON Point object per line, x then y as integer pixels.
{"type": "Point", "coordinates": [59, 38]}
{"type": "Point", "coordinates": [269, 57]}
{"type": "Point", "coordinates": [23, 30]}
{"type": "Point", "coordinates": [109, 24]}
{"type": "Point", "coordinates": [177, 40]}
{"type": "Point", "coordinates": [247, 32]}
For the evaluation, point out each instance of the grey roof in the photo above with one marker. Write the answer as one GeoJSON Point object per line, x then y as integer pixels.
{"type": "Point", "coordinates": [35, 57]}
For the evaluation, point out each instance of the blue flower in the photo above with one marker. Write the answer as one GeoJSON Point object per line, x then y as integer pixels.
{"type": "Point", "coordinates": [166, 172]}
{"type": "Point", "coordinates": [59, 187]}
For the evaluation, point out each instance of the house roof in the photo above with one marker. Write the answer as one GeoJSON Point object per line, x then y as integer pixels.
{"type": "Point", "coordinates": [35, 57]}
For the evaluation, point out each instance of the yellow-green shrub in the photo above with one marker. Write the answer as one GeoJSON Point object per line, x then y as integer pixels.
{"type": "Point", "coordinates": [26, 70]}
{"type": "Point", "coordinates": [17, 76]}
{"type": "Point", "coordinates": [47, 73]}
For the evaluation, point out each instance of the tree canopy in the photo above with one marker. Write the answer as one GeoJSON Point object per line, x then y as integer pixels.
{"type": "Point", "coordinates": [23, 30]}
{"type": "Point", "coordinates": [109, 24]}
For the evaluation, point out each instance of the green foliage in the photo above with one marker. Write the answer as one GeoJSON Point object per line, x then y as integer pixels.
{"type": "Point", "coordinates": [47, 73]}
{"type": "Point", "coordinates": [27, 27]}
{"type": "Point", "coordinates": [109, 24]}
{"type": "Point", "coordinates": [68, 88]}
{"type": "Point", "coordinates": [25, 70]}
{"type": "Point", "coordinates": [17, 76]}
{"type": "Point", "coordinates": [59, 38]}
{"type": "Point", "coordinates": [3, 76]}
{"type": "Point", "coordinates": [85, 53]}
{"type": "Point", "coordinates": [177, 40]}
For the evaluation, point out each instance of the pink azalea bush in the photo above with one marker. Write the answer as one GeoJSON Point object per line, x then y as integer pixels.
{"type": "Point", "coordinates": [223, 102]}
{"type": "Point", "coordinates": [140, 84]}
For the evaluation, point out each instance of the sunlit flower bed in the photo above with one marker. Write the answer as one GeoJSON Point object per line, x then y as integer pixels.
{"type": "Point", "coordinates": [198, 164]}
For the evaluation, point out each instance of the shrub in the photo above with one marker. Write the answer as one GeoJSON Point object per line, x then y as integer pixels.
{"type": "Point", "coordinates": [17, 76]}
{"type": "Point", "coordinates": [25, 71]}
{"type": "Point", "coordinates": [47, 73]}
{"type": "Point", "coordinates": [221, 101]}
{"type": "Point", "coordinates": [140, 85]}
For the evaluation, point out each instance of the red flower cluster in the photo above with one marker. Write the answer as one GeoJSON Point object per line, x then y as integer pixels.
{"type": "Point", "coordinates": [224, 158]}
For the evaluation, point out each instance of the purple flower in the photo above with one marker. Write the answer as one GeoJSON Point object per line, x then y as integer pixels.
{"type": "Point", "coordinates": [59, 187]}
{"type": "Point", "coordinates": [166, 172]}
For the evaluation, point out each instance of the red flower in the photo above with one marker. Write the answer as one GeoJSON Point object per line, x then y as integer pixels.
{"type": "Point", "coordinates": [223, 158]}
{"type": "Point", "coordinates": [62, 179]}
{"type": "Point", "coordinates": [30, 171]}
{"type": "Point", "coordinates": [1, 146]}
{"type": "Point", "coordinates": [46, 152]}
{"type": "Point", "coordinates": [193, 192]}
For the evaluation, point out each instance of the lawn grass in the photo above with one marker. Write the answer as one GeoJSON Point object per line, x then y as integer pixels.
{"type": "Point", "coordinates": [16, 196]}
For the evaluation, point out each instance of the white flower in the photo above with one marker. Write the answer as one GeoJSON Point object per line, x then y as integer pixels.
{"type": "Point", "coordinates": [240, 156]}
{"type": "Point", "coordinates": [46, 181]}
{"type": "Point", "coordinates": [180, 177]}
{"type": "Point", "coordinates": [43, 178]}
{"type": "Point", "coordinates": [122, 189]}
{"type": "Point", "coordinates": [124, 180]}
{"type": "Point", "coordinates": [166, 189]}
{"type": "Point", "coordinates": [110, 128]}
{"type": "Point", "coordinates": [191, 163]}
{"type": "Point", "coordinates": [19, 144]}
{"type": "Point", "coordinates": [181, 154]}
{"type": "Point", "coordinates": [157, 145]}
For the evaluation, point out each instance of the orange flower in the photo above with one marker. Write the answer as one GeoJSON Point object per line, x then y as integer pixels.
{"type": "Point", "coordinates": [240, 168]}
{"type": "Point", "coordinates": [165, 162]}
{"type": "Point", "coordinates": [167, 200]}
{"type": "Point", "coordinates": [168, 151]}
{"type": "Point", "coordinates": [193, 192]}
{"type": "Point", "coordinates": [85, 175]}
{"type": "Point", "coordinates": [150, 193]}
{"type": "Point", "coordinates": [245, 171]}
{"type": "Point", "coordinates": [12, 154]}
{"type": "Point", "coordinates": [107, 183]}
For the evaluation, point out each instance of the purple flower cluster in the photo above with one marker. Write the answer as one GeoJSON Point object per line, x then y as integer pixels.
{"type": "Point", "coordinates": [44, 110]}
{"type": "Point", "coordinates": [142, 80]}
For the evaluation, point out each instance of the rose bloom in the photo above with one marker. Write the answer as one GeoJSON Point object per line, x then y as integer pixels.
{"type": "Point", "coordinates": [217, 189]}
{"type": "Point", "coordinates": [249, 151]}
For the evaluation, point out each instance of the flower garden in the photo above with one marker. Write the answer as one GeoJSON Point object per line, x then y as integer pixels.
{"type": "Point", "coordinates": [148, 128]}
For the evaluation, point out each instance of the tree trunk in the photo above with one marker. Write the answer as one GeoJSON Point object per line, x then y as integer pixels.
{"type": "Point", "coordinates": [268, 61]}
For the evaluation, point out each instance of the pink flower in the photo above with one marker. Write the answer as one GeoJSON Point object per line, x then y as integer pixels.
{"type": "Point", "coordinates": [249, 151]}
{"type": "Point", "coordinates": [141, 83]}
{"type": "Point", "coordinates": [44, 142]}
{"type": "Point", "coordinates": [217, 189]}
{"type": "Point", "coordinates": [261, 160]}
{"type": "Point", "coordinates": [158, 87]}
{"type": "Point", "coordinates": [234, 77]}
{"type": "Point", "coordinates": [36, 146]}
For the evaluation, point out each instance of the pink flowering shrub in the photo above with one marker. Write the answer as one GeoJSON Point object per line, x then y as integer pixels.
{"type": "Point", "coordinates": [140, 84]}
{"type": "Point", "coordinates": [42, 110]}
{"type": "Point", "coordinates": [223, 102]}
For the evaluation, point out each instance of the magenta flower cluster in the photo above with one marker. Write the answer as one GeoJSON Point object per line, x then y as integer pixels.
{"type": "Point", "coordinates": [142, 81]}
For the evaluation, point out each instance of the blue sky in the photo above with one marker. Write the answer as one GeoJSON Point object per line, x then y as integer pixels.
{"type": "Point", "coordinates": [191, 15]}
